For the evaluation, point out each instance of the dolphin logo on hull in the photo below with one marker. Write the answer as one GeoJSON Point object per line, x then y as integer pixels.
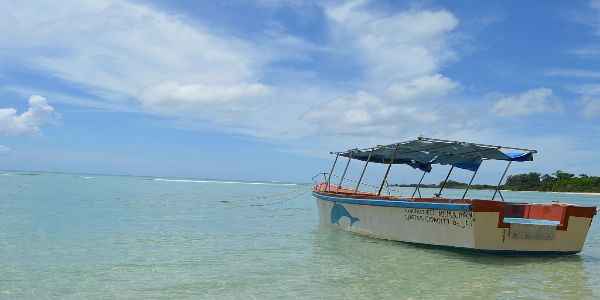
{"type": "Point", "coordinates": [338, 211]}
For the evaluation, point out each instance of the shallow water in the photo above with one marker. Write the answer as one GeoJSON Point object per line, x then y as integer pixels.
{"type": "Point", "coordinates": [89, 236]}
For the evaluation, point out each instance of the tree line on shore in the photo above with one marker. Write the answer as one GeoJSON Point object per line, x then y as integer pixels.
{"type": "Point", "coordinates": [558, 181]}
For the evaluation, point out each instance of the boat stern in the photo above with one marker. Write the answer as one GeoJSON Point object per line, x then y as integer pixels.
{"type": "Point", "coordinates": [537, 228]}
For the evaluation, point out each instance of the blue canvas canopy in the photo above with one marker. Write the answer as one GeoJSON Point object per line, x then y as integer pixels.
{"type": "Point", "coordinates": [424, 152]}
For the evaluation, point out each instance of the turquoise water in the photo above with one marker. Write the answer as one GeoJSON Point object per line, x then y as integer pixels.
{"type": "Point", "coordinates": [88, 236]}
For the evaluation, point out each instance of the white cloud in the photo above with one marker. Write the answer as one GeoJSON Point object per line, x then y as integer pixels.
{"type": "Point", "coordinates": [589, 98]}
{"type": "Point", "coordinates": [401, 54]}
{"type": "Point", "coordinates": [539, 100]}
{"type": "Point", "coordinates": [591, 18]}
{"type": "Point", "coordinates": [402, 106]}
{"type": "Point", "coordinates": [176, 98]}
{"type": "Point", "coordinates": [595, 20]}
{"type": "Point", "coordinates": [134, 57]}
{"type": "Point", "coordinates": [121, 50]}
{"type": "Point", "coordinates": [421, 88]}
{"type": "Point", "coordinates": [356, 114]}
{"type": "Point", "coordinates": [573, 73]}
{"type": "Point", "coordinates": [591, 106]}
{"type": "Point", "coordinates": [394, 47]}
{"type": "Point", "coordinates": [28, 122]}
{"type": "Point", "coordinates": [4, 149]}
{"type": "Point", "coordinates": [587, 89]}
{"type": "Point", "coordinates": [588, 51]}
{"type": "Point", "coordinates": [589, 93]}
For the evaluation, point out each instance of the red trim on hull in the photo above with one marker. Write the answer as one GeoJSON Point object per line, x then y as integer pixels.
{"type": "Point", "coordinates": [551, 212]}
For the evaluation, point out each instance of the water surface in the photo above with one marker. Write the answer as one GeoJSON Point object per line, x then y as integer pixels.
{"type": "Point", "coordinates": [90, 236]}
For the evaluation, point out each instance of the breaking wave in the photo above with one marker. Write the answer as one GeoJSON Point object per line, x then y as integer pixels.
{"type": "Point", "coordinates": [219, 181]}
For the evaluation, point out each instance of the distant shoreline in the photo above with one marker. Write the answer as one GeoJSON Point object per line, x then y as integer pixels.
{"type": "Point", "coordinates": [567, 193]}
{"type": "Point", "coordinates": [503, 190]}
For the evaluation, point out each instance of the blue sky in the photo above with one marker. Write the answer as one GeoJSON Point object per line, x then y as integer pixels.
{"type": "Point", "coordinates": [263, 90]}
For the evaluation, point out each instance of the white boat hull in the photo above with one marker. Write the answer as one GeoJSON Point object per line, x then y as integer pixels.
{"type": "Point", "coordinates": [453, 225]}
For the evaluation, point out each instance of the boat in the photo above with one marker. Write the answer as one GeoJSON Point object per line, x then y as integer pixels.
{"type": "Point", "coordinates": [490, 225]}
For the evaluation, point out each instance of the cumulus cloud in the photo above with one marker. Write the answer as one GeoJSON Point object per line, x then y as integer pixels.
{"type": "Point", "coordinates": [591, 106]}
{"type": "Point", "coordinates": [401, 54]}
{"type": "Point", "coordinates": [4, 149]}
{"type": "Point", "coordinates": [421, 88]}
{"type": "Point", "coordinates": [394, 46]}
{"type": "Point", "coordinates": [124, 50]}
{"type": "Point", "coordinates": [28, 122]}
{"type": "Point", "coordinates": [409, 104]}
{"type": "Point", "coordinates": [533, 101]}
{"type": "Point", "coordinates": [355, 114]}
{"type": "Point", "coordinates": [134, 56]}
{"type": "Point", "coordinates": [589, 98]}
{"type": "Point", "coordinates": [174, 97]}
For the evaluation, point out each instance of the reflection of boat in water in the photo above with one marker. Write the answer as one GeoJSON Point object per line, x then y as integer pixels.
{"type": "Point", "coordinates": [466, 223]}
{"type": "Point", "coordinates": [380, 267]}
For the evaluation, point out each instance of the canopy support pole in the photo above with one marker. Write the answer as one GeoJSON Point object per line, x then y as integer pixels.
{"type": "Point", "coordinates": [444, 183]}
{"type": "Point", "coordinates": [363, 171]}
{"type": "Point", "coordinates": [388, 169]}
{"type": "Point", "coordinates": [417, 189]}
{"type": "Point", "coordinates": [331, 172]}
{"type": "Point", "coordinates": [344, 174]}
{"type": "Point", "coordinates": [500, 182]}
{"type": "Point", "coordinates": [469, 185]}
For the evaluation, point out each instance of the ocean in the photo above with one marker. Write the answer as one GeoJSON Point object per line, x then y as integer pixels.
{"type": "Point", "coordinates": [74, 236]}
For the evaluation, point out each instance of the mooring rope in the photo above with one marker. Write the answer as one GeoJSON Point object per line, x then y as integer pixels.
{"type": "Point", "coordinates": [302, 190]}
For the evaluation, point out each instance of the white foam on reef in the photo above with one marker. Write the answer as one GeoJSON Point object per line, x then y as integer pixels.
{"type": "Point", "coordinates": [86, 177]}
{"type": "Point", "coordinates": [218, 181]}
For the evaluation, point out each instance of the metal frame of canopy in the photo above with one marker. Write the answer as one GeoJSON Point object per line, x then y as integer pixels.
{"type": "Point", "coordinates": [475, 154]}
